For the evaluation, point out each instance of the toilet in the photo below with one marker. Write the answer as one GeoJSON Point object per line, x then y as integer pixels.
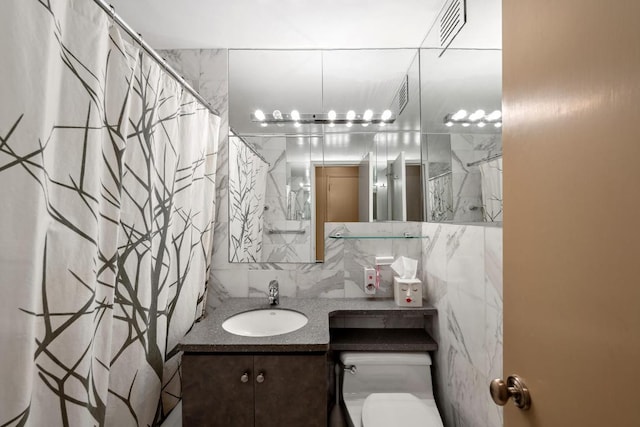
{"type": "Point", "coordinates": [388, 390]}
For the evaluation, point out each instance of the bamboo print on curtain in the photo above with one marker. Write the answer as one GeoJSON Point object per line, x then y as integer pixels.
{"type": "Point", "coordinates": [247, 192]}
{"type": "Point", "coordinates": [107, 175]}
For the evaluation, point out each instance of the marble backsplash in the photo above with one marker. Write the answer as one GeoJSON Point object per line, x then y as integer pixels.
{"type": "Point", "coordinates": [341, 275]}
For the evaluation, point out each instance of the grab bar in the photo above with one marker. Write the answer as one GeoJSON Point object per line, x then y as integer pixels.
{"type": "Point", "coordinates": [274, 231]}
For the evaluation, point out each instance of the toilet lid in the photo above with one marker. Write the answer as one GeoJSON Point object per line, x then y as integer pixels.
{"type": "Point", "coordinates": [399, 409]}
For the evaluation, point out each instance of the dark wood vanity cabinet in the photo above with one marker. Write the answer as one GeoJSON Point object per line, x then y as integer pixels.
{"type": "Point", "coordinates": [261, 390]}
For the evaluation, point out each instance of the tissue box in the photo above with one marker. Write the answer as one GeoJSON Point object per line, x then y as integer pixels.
{"type": "Point", "coordinates": [407, 292]}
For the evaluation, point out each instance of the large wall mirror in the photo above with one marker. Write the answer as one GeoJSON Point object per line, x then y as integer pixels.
{"type": "Point", "coordinates": [461, 116]}
{"type": "Point", "coordinates": [304, 150]}
{"type": "Point", "coordinates": [462, 134]}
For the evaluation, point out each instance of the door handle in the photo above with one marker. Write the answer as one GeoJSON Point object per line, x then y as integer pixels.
{"type": "Point", "coordinates": [514, 388]}
{"type": "Point", "coordinates": [260, 378]}
{"type": "Point", "coordinates": [245, 377]}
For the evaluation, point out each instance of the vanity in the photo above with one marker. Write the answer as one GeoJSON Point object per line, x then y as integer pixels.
{"type": "Point", "coordinates": [284, 380]}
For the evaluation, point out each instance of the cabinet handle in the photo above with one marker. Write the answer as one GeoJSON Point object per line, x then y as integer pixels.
{"type": "Point", "coordinates": [260, 378]}
{"type": "Point", "coordinates": [245, 377]}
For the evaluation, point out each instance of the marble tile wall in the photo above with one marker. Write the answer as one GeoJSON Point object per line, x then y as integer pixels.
{"type": "Point", "coordinates": [462, 275]}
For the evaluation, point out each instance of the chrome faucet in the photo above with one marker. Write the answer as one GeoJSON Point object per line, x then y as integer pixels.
{"type": "Point", "coordinates": [274, 293]}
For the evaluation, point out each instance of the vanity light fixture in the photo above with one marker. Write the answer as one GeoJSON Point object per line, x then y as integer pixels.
{"type": "Point", "coordinates": [477, 115]}
{"type": "Point", "coordinates": [495, 115]}
{"type": "Point", "coordinates": [364, 125]}
{"type": "Point", "coordinates": [349, 124]}
{"type": "Point", "coordinates": [459, 115]}
{"type": "Point", "coordinates": [259, 115]}
{"type": "Point", "coordinates": [264, 125]}
{"type": "Point", "coordinates": [331, 124]}
{"type": "Point", "coordinates": [478, 118]}
{"type": "Point", "coordinates": [297, 118]}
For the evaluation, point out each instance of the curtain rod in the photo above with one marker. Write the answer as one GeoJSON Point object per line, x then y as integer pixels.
{"type": "Point", "coordinates": [110, 10]}
{"type": "Point", "coordinates": [486, 159]}
{"type": "Point", "coordinates": [249, 146]}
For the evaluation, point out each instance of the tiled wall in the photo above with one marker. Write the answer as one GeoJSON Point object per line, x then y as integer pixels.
{"type": "Point", "coordinates": [462, 272]}
{"type": "Point", "coordinates": [461, 267]}
{"type": "Point", "coordinates": [466, 180]}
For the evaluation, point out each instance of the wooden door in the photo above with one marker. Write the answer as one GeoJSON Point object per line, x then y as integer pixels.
{"type": "Point", "coordinates": [571, 136]}
{"type": "Point", "coordinates": [415, 202]}
{"type": "Point", "coordinates": [213, 391]}
{"type": "Point", "coordinates": [336, 199]}
{"type": "Point", "coordinates": [294, 390]}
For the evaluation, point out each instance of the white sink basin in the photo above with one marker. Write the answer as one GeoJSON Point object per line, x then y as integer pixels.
{"type": "Point", "coordinates": [265, 323]}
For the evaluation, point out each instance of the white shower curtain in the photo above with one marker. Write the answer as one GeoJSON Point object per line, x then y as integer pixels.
{"type": "Point", "coordinates": [491, 184]}
{"type": "Point", "coordinates": [247, 192]}
{"type": "Point", "coordinates": [106, 222]}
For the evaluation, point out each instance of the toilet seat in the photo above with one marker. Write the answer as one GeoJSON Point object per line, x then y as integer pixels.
{"type": "Point", "coordinates": [399, 409]}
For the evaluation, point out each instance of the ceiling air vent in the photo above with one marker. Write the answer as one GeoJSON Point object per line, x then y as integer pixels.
{"type": "Point", "coordinates": [403, 95]}
{"type": "Point", "coordinates": [452, 18]}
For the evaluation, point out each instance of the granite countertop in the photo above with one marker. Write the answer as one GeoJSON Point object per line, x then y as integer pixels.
{"type": "Point", "coordinates": [208, 335]}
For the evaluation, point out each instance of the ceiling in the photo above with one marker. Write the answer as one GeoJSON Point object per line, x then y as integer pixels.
{"type": "Point", "coordinates": [281, 24]}
{"type": "Point", "coordinates": [303, 24]}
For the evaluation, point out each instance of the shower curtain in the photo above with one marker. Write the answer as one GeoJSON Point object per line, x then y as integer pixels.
{"type": "Point", "coordinates": [247, 193]}
{"type": "Point", "coordinates": [491, 184]}
{"type": "Point", "coordinates": [440, 198]}
{"type": "Point", "coordinates": [107, 174]}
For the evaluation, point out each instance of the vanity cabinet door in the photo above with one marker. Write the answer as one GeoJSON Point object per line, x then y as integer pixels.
{"type": "Point", "coordinates": [293, 391]}
{"type": "Point", "coordinates": [214, 391]}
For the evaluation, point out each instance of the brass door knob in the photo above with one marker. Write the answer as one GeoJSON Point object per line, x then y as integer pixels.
{"type": "Point", "coordinates": [515, 388]}
{"type": "Point", "coordinates": [245, 377]}
{"type": "Point", "coordinates": [260, 378]}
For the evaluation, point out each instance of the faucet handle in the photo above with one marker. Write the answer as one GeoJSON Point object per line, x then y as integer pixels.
{"type": "Point", "coordinates": [274, 293]}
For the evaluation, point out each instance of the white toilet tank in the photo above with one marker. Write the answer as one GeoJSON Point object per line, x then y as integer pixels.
{"type": "Point", "coordinates": [386, 373]}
